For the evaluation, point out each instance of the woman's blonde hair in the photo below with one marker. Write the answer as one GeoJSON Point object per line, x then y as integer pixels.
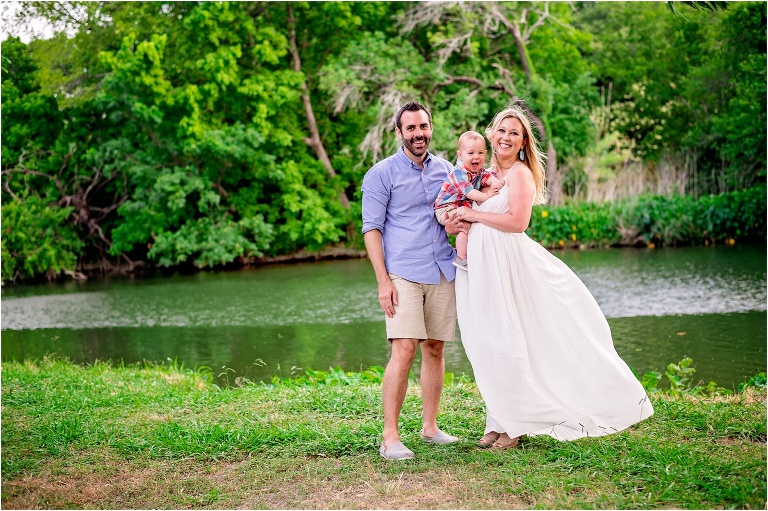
{"type": "Point", "coordinates": [534, 157]}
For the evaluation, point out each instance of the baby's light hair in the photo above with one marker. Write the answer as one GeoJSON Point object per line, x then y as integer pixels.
{"type": "Point", "coordinates": [469, 135]}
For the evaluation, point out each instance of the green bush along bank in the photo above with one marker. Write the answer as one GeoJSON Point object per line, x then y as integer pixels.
{"type": "Point", "coordinates": [646, 221]}
{"type": "Point", "coordinates": [102, 436]}
{"type": "Point", "coordinates": [654, 221]}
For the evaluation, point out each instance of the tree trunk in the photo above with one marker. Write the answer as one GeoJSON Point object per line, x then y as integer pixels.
{"type": "Point", "coordinates": [313, 140]}
{"type": "Point", "coordinates": [554, 184]}
{"type": "Point", "coordinates": [521, 51]}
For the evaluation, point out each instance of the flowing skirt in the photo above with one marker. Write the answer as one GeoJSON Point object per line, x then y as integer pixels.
{"type": "Point", "coordinates": [540, 347]}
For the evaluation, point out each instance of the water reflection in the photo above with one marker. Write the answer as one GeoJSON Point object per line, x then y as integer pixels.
{"type": "Point", "coordinates": [267, 321]}
{"type": "Point", "coordinates": [724, 347]}
{"type": "Point", "coordinates": [625, 283]}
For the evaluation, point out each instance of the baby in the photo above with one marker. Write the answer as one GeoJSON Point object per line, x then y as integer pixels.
{"type": "Point", "coordinates": [462, 185]}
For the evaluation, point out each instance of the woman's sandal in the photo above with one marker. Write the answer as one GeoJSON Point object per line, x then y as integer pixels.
{"type": "Point", "coordinates": [488, 439]}
{"type": "Point", "coordinates": [504, 442]}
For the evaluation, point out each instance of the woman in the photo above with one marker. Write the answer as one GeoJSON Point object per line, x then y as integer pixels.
{"type": "Point", "coordinates": [539, 345]}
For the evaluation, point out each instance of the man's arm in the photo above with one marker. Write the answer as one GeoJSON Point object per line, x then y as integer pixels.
{"type": "Point", "coordinates": [387, 292]}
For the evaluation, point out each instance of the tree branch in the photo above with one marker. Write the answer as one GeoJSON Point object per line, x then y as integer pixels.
{"type": "Point", "coordinates": [514, 29]}
{"type": "Point", "coordinates": [313, 140]}
{"type": "Point", "coordinates": [22, 169]}
{"type": "Point", "coordinates": [539, 22]}
{"type": "Point", "coordinates": [461, 79]}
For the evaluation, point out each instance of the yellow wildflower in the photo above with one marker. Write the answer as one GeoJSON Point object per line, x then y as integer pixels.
{"type": "Point", "coordinates": [544, 214]}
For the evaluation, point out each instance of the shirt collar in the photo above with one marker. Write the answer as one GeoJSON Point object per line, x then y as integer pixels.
{"type": "Point", "coordinates": [469, 172]}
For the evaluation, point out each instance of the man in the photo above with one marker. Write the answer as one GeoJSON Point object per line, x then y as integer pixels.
{"type": "Point", "coordinates": [413, 263]}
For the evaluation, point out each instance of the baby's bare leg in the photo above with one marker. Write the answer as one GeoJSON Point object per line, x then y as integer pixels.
{"type": "Point", "coordinates": [461, 245]}
{"type": "Point", "coordinates": [462, 240]}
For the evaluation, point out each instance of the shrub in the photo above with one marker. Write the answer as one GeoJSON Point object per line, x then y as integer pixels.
{"type": "Point", "coordinates": [37, 239]}
{"type": "Point", "coordinates": [662, 220]}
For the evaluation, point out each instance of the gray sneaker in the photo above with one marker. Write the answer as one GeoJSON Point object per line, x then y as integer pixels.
{"type": "Point", "coordinates": [458, 263]}
{"type": "Point", "coordinates": [440, 438]}
{"type": "Point", "coordinates": [396, 451]}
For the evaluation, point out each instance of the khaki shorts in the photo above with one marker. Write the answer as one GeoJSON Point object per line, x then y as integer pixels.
{"type": "Point", "coordinates": [441, 211]}
{"type": "Point", "coordinates": [424, 311]}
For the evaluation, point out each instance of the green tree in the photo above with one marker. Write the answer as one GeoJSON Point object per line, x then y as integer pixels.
{"type": "Point", "coordinates": [691, 85]}
{"type": "Point", "coordinates": [466, 61]}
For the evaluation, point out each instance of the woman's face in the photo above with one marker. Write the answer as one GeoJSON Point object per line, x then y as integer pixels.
{"type": "Point", "coordinates": [508, 138]}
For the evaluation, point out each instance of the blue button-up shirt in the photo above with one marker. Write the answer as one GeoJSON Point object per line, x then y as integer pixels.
{"type": "Point", "coordinates": [398, 200]}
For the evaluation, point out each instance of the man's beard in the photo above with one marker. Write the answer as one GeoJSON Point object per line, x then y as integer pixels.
{"type": "Point", "coordinates": [417, 152]}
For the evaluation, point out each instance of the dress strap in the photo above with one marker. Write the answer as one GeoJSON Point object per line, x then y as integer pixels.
{"type": "Point", "coordinates": [508, 170]}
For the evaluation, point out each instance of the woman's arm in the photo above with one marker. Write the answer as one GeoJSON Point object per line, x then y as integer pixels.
{"type": "Point", "coordinates": [521, 190]}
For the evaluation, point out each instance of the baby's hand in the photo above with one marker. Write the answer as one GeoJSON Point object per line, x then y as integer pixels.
{"type": "Point", "coordinates": [496, 186]}
{"type": "Point", "coordinates": [490, 193]}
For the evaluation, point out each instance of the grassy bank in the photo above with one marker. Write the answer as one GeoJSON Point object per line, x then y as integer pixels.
{"type": "Point", "coordinates": [166, 437]}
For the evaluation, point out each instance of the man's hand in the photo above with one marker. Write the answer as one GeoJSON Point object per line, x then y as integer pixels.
{"type": "Point", "coordinates": [465, 215]}
{"type": "Point", "coordinates": [453, 224]}
{"type": "Point", "coordinates": [388, 297]}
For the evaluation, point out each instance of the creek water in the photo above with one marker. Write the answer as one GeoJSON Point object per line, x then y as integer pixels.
{"type": "Point", "coordinates": [707, 303]}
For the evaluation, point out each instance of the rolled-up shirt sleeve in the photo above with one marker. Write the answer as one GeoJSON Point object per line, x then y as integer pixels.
{"type": "Point", "coordinates": [463, 184]}
{"type": "Point", "coordinates": [375, 200]}
{"type": "Point", "coordinates": [464, 188]}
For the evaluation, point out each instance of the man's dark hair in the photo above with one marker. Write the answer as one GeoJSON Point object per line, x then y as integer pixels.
{"type": "Point", "coordinates": [412, 106]}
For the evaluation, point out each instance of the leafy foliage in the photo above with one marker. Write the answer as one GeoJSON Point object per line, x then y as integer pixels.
{"type": "Point", "coordinates": [334, 376]}
{"type": "Point", "coordinates": [681, 381]}
{"type": "Point", "coordinates": [661, 220]}
{"type": "Point", "coordinates": [690, 84]}
{"type": "Point", "coordinates": [37, 239]}
{"type": "Point", "coordinates": [757, 381]}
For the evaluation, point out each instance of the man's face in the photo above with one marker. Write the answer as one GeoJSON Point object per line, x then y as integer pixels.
{"type": "Point", "coordinates": [416, 133]}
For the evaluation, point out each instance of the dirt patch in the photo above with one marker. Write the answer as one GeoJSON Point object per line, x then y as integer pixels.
{"type": "Point", "coordinates": [741, 439]}
{"type": "Point", "coordinates": [371, 485]}
{"type": "Point", "coordinates": [116, 484]}
{"type": "Point", "coordinates": [750, 395]}
{"type": "Point", "coordinates": [253, 483]}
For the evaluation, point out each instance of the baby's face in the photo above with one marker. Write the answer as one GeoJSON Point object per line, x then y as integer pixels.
{"type": "Point", "coordinates": [472, 153]}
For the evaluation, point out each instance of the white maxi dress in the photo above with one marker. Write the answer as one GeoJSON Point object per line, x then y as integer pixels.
{"type": "Point", "coordinates": [540, 347]}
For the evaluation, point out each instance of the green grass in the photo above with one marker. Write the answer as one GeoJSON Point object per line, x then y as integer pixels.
{"type": "Point", "coordinates": [166, 437]}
